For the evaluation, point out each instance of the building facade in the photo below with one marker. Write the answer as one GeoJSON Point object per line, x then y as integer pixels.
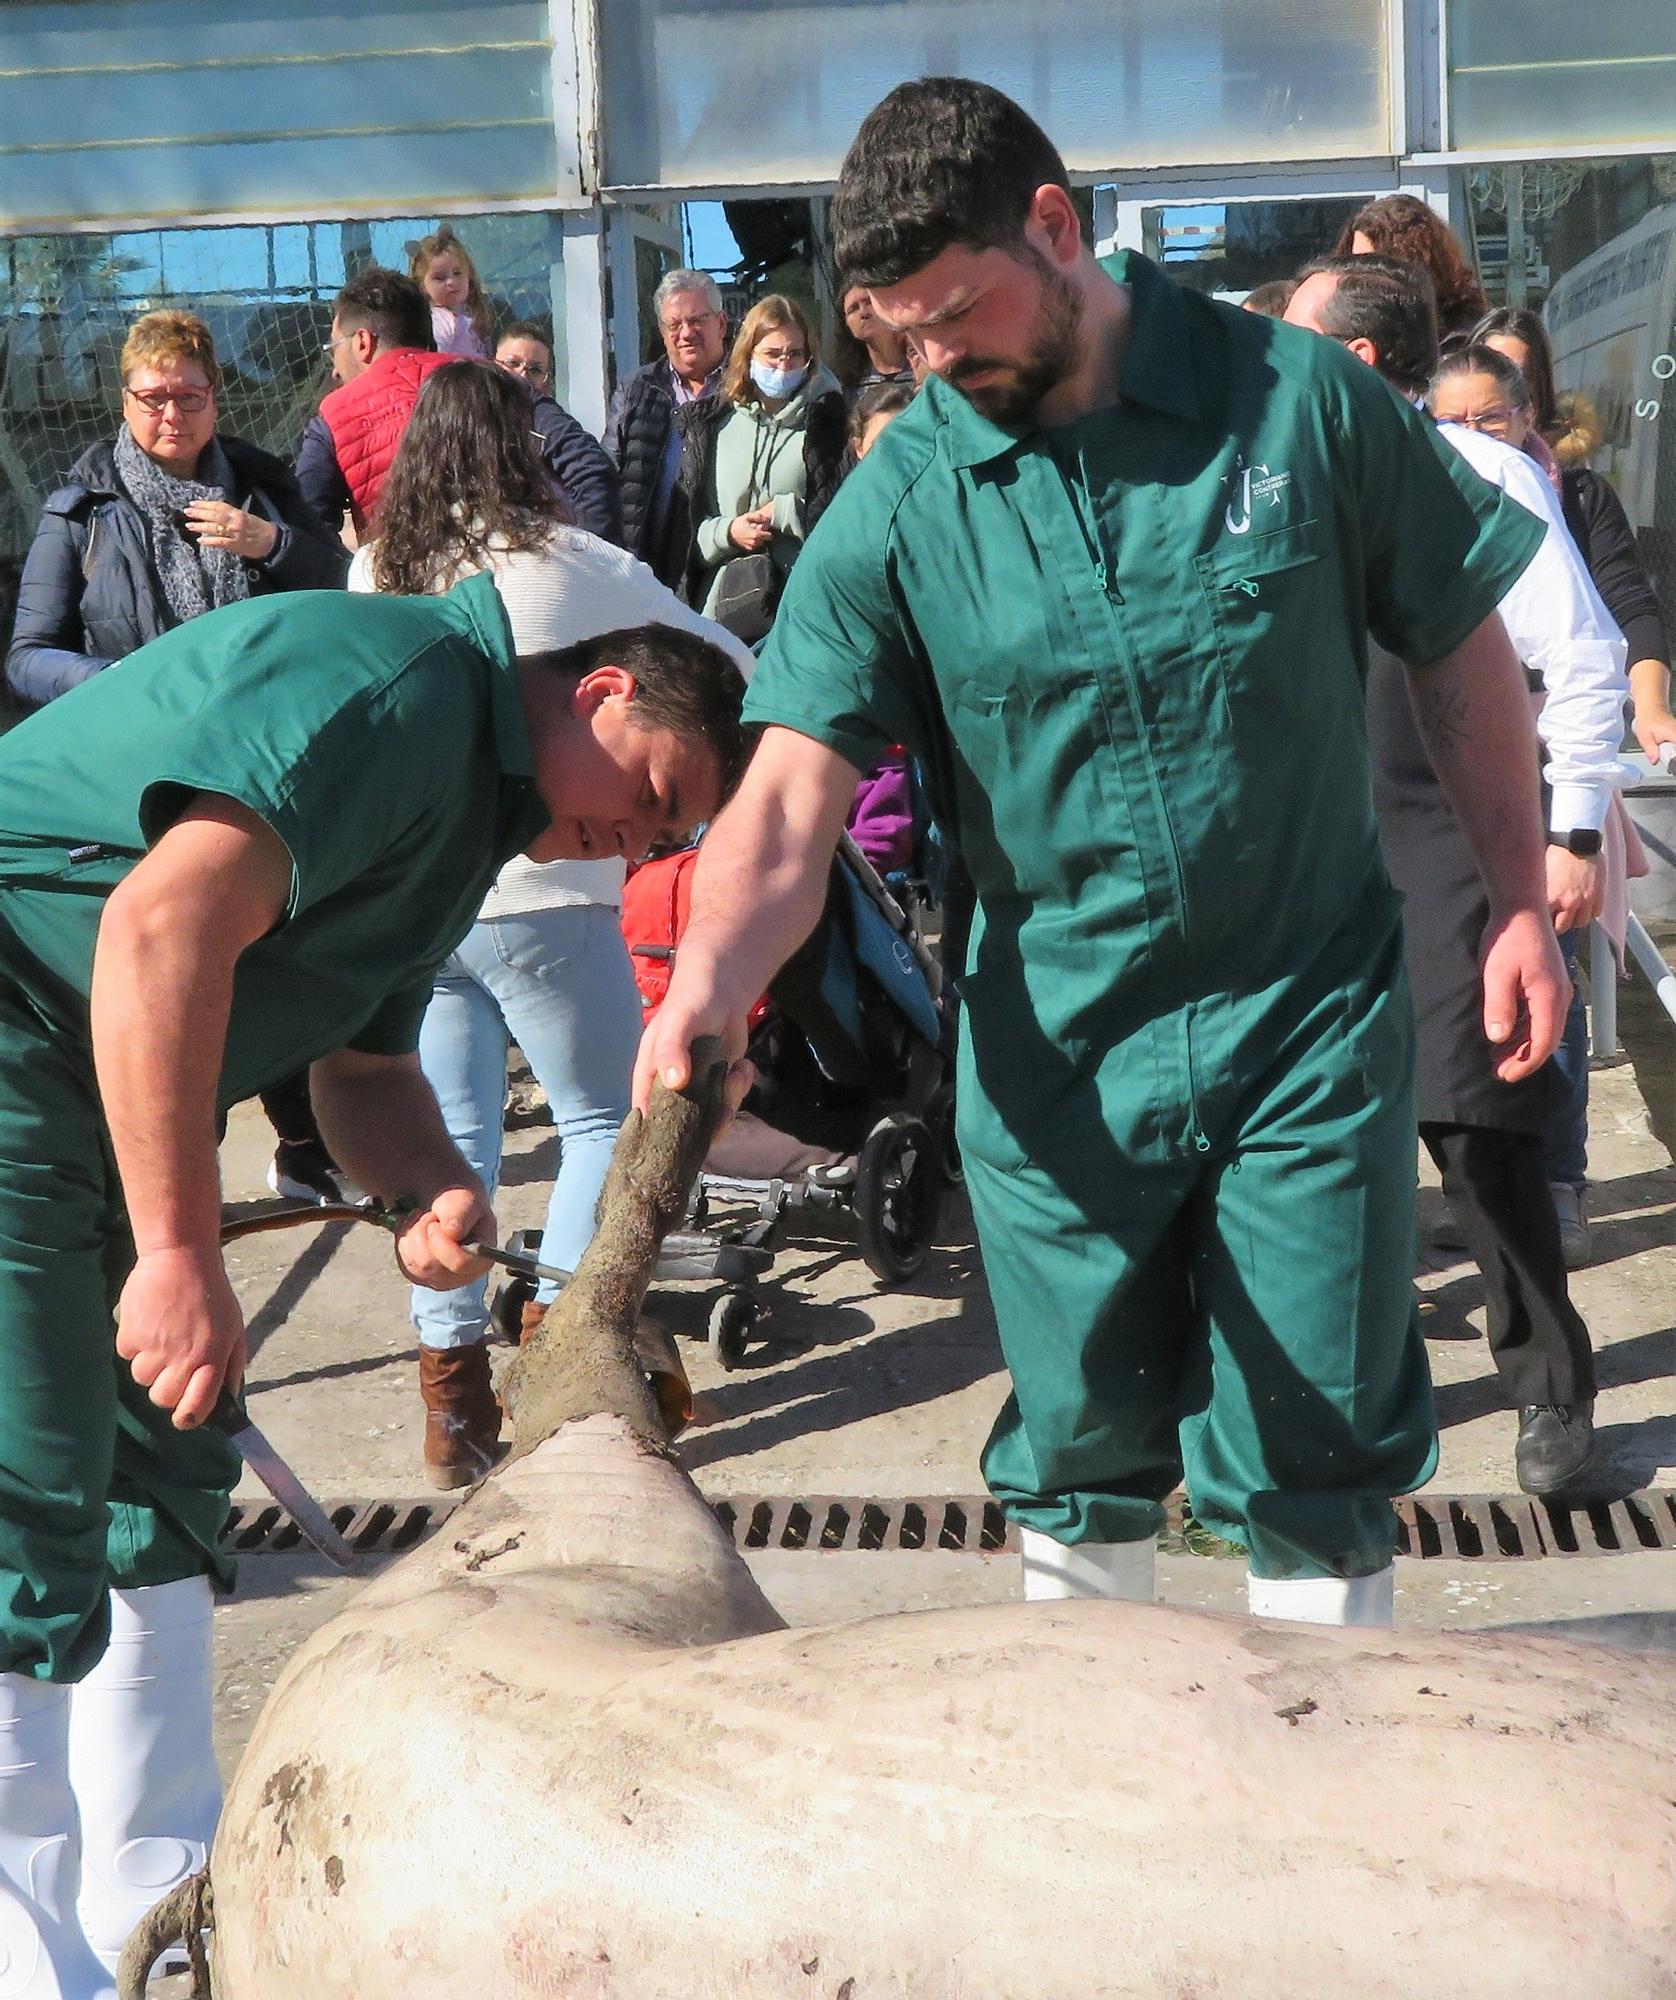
{"type": "Point", "coordinates": [245, 159]}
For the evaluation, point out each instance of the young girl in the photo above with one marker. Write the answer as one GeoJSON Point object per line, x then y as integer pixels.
{"type": "Point", "coordinates": [460, 322]}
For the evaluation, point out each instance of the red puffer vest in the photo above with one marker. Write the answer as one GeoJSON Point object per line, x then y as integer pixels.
{"type": "Point", "coordinates": [366, 418]}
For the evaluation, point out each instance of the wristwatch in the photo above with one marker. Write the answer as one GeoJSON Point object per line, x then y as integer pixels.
{"type": "Point", "coordinates": [1583, 841]}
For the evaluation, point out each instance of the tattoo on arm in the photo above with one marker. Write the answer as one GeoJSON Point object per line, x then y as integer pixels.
{"type": "Point", "coordinates": [1443, 715]}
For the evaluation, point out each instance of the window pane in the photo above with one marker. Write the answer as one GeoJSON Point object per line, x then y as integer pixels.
{"type": "Point", "coordinates": [1530, 73]}
{"type": "Point", "coordinates": [1593, 245]}
{"type": "Point", "coordinates": [725, 92]}
{"type": "Point", "coordinates": [176, 108]}
{"type": "Point", "coordinates": [1209, 247]}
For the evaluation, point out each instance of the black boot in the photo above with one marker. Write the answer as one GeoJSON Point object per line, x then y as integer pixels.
{"type": "Point", "coordinates": [1555, 1440]}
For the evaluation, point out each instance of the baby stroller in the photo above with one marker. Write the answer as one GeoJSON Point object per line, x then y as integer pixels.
{"type": "Point", "coordinates": [848, 1128]}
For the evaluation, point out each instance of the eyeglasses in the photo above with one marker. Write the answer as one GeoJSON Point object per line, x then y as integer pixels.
{"type": "Point", "coordinates": [1492, 422]}
{"type": "Point", "coordinates": [783, 357]}
{"type": "Point", "coordinates": [337, 340]}
{"type": "Point", "coordinates": [533, 369]}
{"type": "Point", "coordinates": [695, 325]}
{"type": "Point", "coordinates": [189, 402]}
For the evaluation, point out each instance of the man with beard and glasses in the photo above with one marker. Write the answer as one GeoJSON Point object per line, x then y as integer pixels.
{"type": "Point", "coordinates": [1111, 579]}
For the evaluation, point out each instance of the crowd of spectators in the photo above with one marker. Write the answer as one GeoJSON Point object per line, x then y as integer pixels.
{"type": "Point", "coordinates": [441, 448]}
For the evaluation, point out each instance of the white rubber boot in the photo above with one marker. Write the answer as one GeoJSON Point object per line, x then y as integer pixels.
{"type": "Point", "coordinates": [1087, 1569]}
{"type": "Point", "coordinates": [43, 1954]}
{"type": "Point", "coordinates": [141, 1759]}
{"type": "Point", "coordinates": [1325, 1600]}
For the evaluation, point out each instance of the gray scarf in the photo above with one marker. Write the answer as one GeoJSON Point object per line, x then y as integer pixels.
{"type": "Point", "coordinates": [194, 579]}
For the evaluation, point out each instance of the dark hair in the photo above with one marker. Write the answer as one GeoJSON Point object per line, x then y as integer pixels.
{"type": "Point", "coordinates": [388, 305]}
{"type": "Point", "coordinates": [682, 683]}
{"type": "Point", "coordinates": [941, 160]}
{"type": "Point", "coordinates": [1505, 372]}
{"type": "Point", "coordinates": [1391, 303]}
{"type": "Point", "coordinates": [1402, 225]}
{"type": "Point", "coordinates": [847, 357]}
{"type": "Point", "coordinates": [526, 329]}
{"type": "Point", "coordinates": [1520, 323]}
{"type": "Point", "coordinates": [880, 399]}
{"type": "Point", "coordinates": [1271, 299]}
{"type": "Point", "coordinates": [466, 472]}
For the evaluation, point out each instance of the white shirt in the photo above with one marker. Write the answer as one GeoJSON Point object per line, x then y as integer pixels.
{"type": "Point", "coordinates": [573, 588]}
{"type": "Point", "coordinates": [1558, 625]}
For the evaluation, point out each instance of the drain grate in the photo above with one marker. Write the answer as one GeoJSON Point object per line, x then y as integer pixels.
{"type": "Point", "coordinates": [971, 1523]}
{"type": "Point", "coordinates": [1474, 1527]}
{"type": "Point", "coordinates": [370, 1527]}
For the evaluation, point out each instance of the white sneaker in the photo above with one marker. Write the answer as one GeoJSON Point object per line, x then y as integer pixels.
{"type": "Point", "coordinates": [43, 1954]}
{"type": "Point", "coordinates": [1573, 1215]}
{"type": "Point", "coordinates": [1122, 1570]}
{"type": "Point", "coordinates": [1325, 1600]}
{"type": "Point", "coordinates": [142, 1764]}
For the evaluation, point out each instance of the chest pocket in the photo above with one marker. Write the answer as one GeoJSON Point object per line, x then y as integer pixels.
{"type": "Point", "coordinates": [1272, 614]}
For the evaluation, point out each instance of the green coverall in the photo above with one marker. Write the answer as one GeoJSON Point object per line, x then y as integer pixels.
{"type": "Point", "coordinates": [1130, 654]}
{"type": "Point", "coordinates": [383, 740]}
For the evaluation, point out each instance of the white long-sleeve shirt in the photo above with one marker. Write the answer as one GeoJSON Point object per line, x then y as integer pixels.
{"type": "Point", "coordinates": [1559, 626]}
{"type": "Point", "coordinates": [573, 588]}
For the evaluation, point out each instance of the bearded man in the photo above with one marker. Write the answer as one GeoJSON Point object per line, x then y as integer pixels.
{"type": "Point", "coordinates": [1111, 580]}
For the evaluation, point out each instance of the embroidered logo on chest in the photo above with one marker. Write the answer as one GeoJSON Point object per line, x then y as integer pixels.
{"type": "Point", "coordinates": [1254, 487]}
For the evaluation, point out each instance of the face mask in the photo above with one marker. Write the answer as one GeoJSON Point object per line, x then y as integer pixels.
{"type": "Point", "coordinates": [779, 383]}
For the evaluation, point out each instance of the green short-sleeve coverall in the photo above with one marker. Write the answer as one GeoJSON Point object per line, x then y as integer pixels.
{"type": "Point", "coordinates": [383, 740]}
{"type": "Point", "coordinates": [1129, 653]}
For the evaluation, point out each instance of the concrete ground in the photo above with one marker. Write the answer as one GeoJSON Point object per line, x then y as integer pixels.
{"type": "Point", "coordinates": [868, 1392]}
{"type": "Point", "coordinates": [864, 1391]}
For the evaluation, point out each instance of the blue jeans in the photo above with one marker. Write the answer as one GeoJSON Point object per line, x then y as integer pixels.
{"type": "Point", "coordinates": [560, 985]}
{"type": "Point", "coordinates": [1568, 1105]}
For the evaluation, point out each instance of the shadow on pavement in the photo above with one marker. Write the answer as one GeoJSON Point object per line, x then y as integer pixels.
{"type": "Point", "coordinates": [1631, 1456]}
{"type": "Point", "coordinates": [1628, 1631]}
{"type": "Point", "coordinates": [288, 1294]}
{"type": "Point", "coordinates": [893, 1371]}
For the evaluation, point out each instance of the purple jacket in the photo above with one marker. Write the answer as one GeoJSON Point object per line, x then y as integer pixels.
{"type": "Point", "coordinates": [881, 819]}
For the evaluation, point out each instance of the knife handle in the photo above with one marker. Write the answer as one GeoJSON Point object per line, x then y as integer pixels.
{"type": "Point", "coordinates": [228, 1415]}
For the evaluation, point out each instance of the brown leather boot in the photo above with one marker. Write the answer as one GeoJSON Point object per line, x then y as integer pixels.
{"type": "Point", "coordinates": [658, 1355]}
{"type": "Point", "coordinates": [661, 1359]}
{"type": "Point", "coordinates": [462, 1417]}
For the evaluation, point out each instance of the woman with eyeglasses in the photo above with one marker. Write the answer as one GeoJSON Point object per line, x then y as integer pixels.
{"type": "Point", "coordinates": [1599, 526]}
{"type": "Point", "coordinates": [761, 462]}
{"type": "Point", "coordinates": [165, 521]}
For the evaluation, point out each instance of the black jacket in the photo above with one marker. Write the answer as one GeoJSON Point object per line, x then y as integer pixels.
{"type": "Point", "coordinates": [1600, 528]}
{"type": "Point", "coordinates": [581, 469]}
{"type": "Point", "coordinates": [90, 595]}
{"type": "Point", "coordinates": [636, 433]}
{"type": "Point", "coordinates": [826, 443]}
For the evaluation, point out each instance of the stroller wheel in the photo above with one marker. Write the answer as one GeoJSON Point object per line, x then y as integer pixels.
{"type": "Point", "coordinates": [898, 1192]}
{"type": "Point", "coordinates": [507, 1307]}
{"type": "Point", "coordinates": [733, 1320]}
{"type": "Point", "coordinates": [939, 1115]}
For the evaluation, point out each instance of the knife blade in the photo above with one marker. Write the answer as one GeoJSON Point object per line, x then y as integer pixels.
{"type": "Point", "coordinates": [311, 1518]}
{"type": "Point", "coordinates": [520, 1265]}
{"type": "Point", "coordinates": [396, 1220]}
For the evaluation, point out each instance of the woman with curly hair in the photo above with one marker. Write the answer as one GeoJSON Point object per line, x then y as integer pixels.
{"type": "Point", "coordinates": [1401, 225]}
{"type": "Point", "coordinates": [545, 964]}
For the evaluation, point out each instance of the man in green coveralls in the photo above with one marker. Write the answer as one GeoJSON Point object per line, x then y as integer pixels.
{"type": "Point", "coordinates": [1110, 579]}
{"type": "Point", "coordinates": [244, 850]}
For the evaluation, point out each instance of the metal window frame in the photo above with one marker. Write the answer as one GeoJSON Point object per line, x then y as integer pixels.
{"type": "Point", "coordinates": [1438, 148]}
